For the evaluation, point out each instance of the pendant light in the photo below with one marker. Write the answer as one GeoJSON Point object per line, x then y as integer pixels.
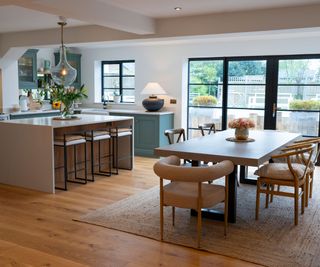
{"type": "Point", "coordinates": [63, 74]}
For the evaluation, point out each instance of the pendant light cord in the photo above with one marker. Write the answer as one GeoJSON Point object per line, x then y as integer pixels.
{"type": "Point", "coordinates": [62, 23]}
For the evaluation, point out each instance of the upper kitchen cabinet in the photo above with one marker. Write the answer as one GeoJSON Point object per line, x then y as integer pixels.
{"type": "Point", "coordinates": [75, 61]}
{"type": "Point", "coordinates": [27, 70]}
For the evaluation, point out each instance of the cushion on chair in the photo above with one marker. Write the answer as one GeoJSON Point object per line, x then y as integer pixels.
{"type": "Point", "coordinates": [121, 132]}
{"type": "Point", "coordinates": [98, 135]}
{"type": "Point", "coordinates": [184, 194]}
{"type": "Point", "coordinates": [294, 159]}
{"type": "Point", "coordinates": [280, 171]}
{"type": "Point", "coordinates": [70, 140]}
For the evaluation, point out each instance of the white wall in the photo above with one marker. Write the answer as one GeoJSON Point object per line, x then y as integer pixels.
{"type": "Point", "coordinates": [167, 63]}
{"type": "Point", "coordinates": [10, 79]}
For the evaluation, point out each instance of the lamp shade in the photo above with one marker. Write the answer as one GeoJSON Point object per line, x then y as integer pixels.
{"type": "Point", "coordinates": [153, 88]}
{"type": "Point", "coordinates": [63, 74]}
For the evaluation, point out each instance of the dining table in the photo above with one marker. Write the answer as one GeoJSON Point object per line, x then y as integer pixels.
{"type": "Point", "coordinates": [255, 151]}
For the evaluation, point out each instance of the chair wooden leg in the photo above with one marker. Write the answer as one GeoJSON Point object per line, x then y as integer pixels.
{"type": "Point", "coordinates": [226, 197]}
{"type": "Point", "coordinates": [199, 212]}
{"type": "Point", "coordinates": [311, 184]}
{"type": "Point", "coordinates": [267, 195]}
{"type": "Point", "coordinates": [303, 197]}
{"type": "Point", "coordinates": [173, 215]}
{"type": "Point", "coordinates": [199, 227]}
{"type": "Point", "coordinates": [161, 209]}
{"type": "Point", "coordinates": [296, 205]}
{"type": "Point", "coordinates": [257, 199]}
{"type": "Point", "coordinates": [306, 192]}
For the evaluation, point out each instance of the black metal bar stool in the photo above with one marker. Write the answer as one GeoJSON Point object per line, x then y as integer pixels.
{"type": "Point", "coordinates": [117, 133]}
{"type": "Point", "coordinates": [72, 140]}
{"type": "Point", "coordinates": [99, 136]}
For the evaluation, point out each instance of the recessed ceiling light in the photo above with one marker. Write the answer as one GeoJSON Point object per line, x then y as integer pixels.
{"type": "Point", "coordinates": [178, 8]}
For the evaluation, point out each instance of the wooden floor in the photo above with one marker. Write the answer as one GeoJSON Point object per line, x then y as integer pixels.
{"type": "Point", "coordinates": [36, 229]}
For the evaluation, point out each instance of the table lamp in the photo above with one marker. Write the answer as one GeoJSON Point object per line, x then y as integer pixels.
{"type": "Point", "coordinates": [153, 103]}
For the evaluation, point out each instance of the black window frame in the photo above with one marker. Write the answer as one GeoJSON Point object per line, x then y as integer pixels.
{"type": "Point", "coordinates": [121, 76]}
{"type": "Point", "coordinates": [271, 85]}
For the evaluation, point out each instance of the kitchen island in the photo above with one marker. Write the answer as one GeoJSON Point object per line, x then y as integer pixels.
{"type": "Point", "coordinates": [27, 147]}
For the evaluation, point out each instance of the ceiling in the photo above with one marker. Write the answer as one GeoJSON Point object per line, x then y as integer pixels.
{"type": "Point", "coordinates": [139, 15]}
{"type": "Point", "coordinates": [165, 8]}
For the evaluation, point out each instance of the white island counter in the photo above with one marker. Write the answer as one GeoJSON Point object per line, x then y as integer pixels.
{"type": "Point", "coordinates": [27, 150]}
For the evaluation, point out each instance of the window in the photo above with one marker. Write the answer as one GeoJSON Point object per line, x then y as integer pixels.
{"type": "Point", "coordinates": [118, 79]}
{"type": "Point", "coordinates": [277, 92]}
{"type": "Point", "coordinates": [205, 94]}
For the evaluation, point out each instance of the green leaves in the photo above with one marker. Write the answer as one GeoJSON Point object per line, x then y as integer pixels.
{"type": "Point", "coordinates": [67, 95]}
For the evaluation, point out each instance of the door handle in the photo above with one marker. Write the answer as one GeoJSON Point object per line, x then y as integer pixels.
{"type": "Point", "coordinates": [274, 110]}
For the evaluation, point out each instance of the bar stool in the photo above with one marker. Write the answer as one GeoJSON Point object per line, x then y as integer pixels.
{"type": "Point", "coordinates": [116, 134]}
{"type": "Point", "coordinates": [98, 136]}
{"type": "Point", "coordinates": [72, 140]}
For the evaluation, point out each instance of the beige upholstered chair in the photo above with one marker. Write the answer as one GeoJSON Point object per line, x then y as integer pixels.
{"type": "Point", "coordinates": [187, 189]}
{"type": "Point", "coordinates": [292, 173]}
{"type": "Point", "coordinates": [210, 127]}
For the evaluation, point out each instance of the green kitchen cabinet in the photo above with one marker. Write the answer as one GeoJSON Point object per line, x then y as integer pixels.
{"type": "Point", "coordinates": [149, 131]}
{"type": "Point", "coordinates": [27, 70]}
{"type": "Point", "coordinates": [75, 61]}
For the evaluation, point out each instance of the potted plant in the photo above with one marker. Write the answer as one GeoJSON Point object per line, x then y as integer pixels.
{"type": "Point", "coordinates": [66, 96]}
{"type": "Point", "coordinates": [241, 127]}
{"type": "Point", "coordinates": [205, 100]}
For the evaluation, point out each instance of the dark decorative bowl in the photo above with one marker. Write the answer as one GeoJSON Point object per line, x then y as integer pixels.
{"type": "Point", "coordinates": [152, 104]}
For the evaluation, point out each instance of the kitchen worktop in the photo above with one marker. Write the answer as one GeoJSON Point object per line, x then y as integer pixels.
{"type": "Point", "coordinates": [124, 111]}
{"type": "Point", "coordinates": [39, 111]}
{"type": "Point", "coordinates": [81, 119]}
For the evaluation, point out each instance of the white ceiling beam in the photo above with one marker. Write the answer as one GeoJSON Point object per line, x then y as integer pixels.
{"type": "Point", "coordinates": [93, 12]}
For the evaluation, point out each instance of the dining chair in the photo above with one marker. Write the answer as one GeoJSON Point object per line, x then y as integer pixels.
{"type": "Point", "coordinates": [209, 127]}
{"type": "Point", "coordinates": [188, 191]}
{"type": "Point", "coordinates": [292, 173]}
{"type": "Point", "coordinates": [312, 166]}
{"type": "Point", "coordinates": [176, 136]}
{"type": "Point", "coordinates": [314, 159]}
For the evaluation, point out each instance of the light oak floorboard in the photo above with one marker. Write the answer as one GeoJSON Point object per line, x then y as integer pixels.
{"type": "Point", "coordinates": [36, 229]}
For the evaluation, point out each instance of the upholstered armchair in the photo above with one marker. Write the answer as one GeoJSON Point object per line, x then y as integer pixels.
{"type": "Point", "coordinates": [187, 189]}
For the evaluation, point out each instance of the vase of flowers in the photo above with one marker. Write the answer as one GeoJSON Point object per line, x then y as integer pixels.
{"type": "Point", "coordinates": [241, 126]}
{"type": "Point", "coordinates": [67, 96]}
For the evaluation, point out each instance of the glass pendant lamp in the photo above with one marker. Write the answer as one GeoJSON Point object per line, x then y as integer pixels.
{"type": "Point", "coordinates": [63, 74]}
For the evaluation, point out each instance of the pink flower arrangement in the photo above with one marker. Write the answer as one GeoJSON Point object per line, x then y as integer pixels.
{"type": "Point", "coordinates": [241, 123]}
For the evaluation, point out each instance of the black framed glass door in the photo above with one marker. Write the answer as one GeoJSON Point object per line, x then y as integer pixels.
{"type": "Point", "coordinates": [277, 92]}
{"type": "Point", "coordinates": [298, 93]}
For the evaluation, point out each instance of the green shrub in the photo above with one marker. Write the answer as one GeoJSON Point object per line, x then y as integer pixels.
{"type": "Point", "coordinates": [205, 100]}
{"type": "Point", "coordinates": [305, 104]}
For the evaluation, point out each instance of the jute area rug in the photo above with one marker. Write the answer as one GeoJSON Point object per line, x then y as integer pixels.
{"type": "Point", "coordinates": [271, 241]}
